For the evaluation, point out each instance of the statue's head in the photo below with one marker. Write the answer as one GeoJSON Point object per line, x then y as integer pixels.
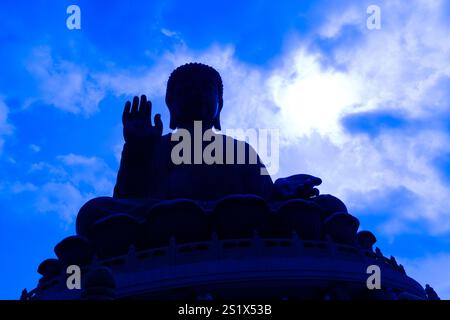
{"type": "Point", "coordinates": [194, 93]}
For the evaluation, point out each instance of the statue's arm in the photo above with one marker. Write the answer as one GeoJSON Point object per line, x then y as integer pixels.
{"type": "Point", "coordinates": [137, 174]}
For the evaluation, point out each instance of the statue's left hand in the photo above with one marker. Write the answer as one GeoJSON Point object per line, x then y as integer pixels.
{"type": "Point", "coordinates": [296, 186]}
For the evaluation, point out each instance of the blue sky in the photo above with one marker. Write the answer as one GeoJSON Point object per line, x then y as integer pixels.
{"type": "Point", "coordinates": [365, 110]}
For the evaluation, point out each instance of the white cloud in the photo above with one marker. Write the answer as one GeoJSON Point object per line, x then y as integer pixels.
{"type": "Point", "coordinates": [403, 62]}
{"type": "Point", "coordinates": [34, 148]}
{"type": "Point", "coordinates": [337, 21]}
{"type": "Point", "coordinates": [50, 169]}
{"type": "Point", "coordinates": [90, 171]}
{"type": "Point", "coordinates": [19, 187]}
{"type": "Point", "coordinates": [5, 127]}
{"type": "Point", "coordinates": [311, 98]}
{"type": "Point", "coordinates": [75, 159]}
{"type": "Point", "coordinates": [62, 198]}
{"type": "Point", "coordinates": [169, 33]}
{"type": "Point", "coordinates": [402, 68]}
{"type": "Point", "coordinates": [63, 84]}
{"type": "Point", "coordinates": [70, 182]}
{"type": "Point", "coordinates": [151, 81]}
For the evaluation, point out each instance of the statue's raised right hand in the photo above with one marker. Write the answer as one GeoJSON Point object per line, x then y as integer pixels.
{"type": "Point", "coordinates": [137, 123]}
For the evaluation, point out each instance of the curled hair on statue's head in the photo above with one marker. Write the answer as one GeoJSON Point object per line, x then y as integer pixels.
{"type": "Point", "coordinates": [191, 70]}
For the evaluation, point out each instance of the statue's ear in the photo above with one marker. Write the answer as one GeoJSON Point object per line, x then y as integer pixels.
{"type": "Point", "coordinates": [216, 122]}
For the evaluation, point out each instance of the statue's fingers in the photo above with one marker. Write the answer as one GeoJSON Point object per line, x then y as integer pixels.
{"type": "Point", "coordinates": [309, 183]}
{"type": "Point", "coordinates": [143, 104]}
{"type": "Point", "coordinates": [134, 106]}
{"type": "Point", "coordinates": [312, 182]}
{"type": "Point", "coordinates": [314, 192]}
{"type": "Point", "coordinates": [148, 111]}
{"type": "Point", "coordinates": [316, 181]}
{"type": "Point", "coordinates": [158, 123]}
{"type": "Point", "coordinates": [126, 112]}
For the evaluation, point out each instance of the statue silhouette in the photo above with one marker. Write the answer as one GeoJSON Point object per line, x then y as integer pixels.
{"type": "Point", "coordinates": [147, 174]}
{"type": "Point", "coordinates": [169, 196]}
{"type": "Point", "coordinates": [194, 93]}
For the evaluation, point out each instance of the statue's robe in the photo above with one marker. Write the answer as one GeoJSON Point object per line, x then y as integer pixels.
{"type": "Point", "coordinates": [147, 176]}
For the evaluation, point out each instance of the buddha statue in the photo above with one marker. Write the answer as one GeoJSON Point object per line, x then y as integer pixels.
{"type": "Point", "coordinates": [154, 168]}
{"type": "Point", "coordinates": [147, 169]}
{"type": "Point", "coordinates": [148, 172]}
